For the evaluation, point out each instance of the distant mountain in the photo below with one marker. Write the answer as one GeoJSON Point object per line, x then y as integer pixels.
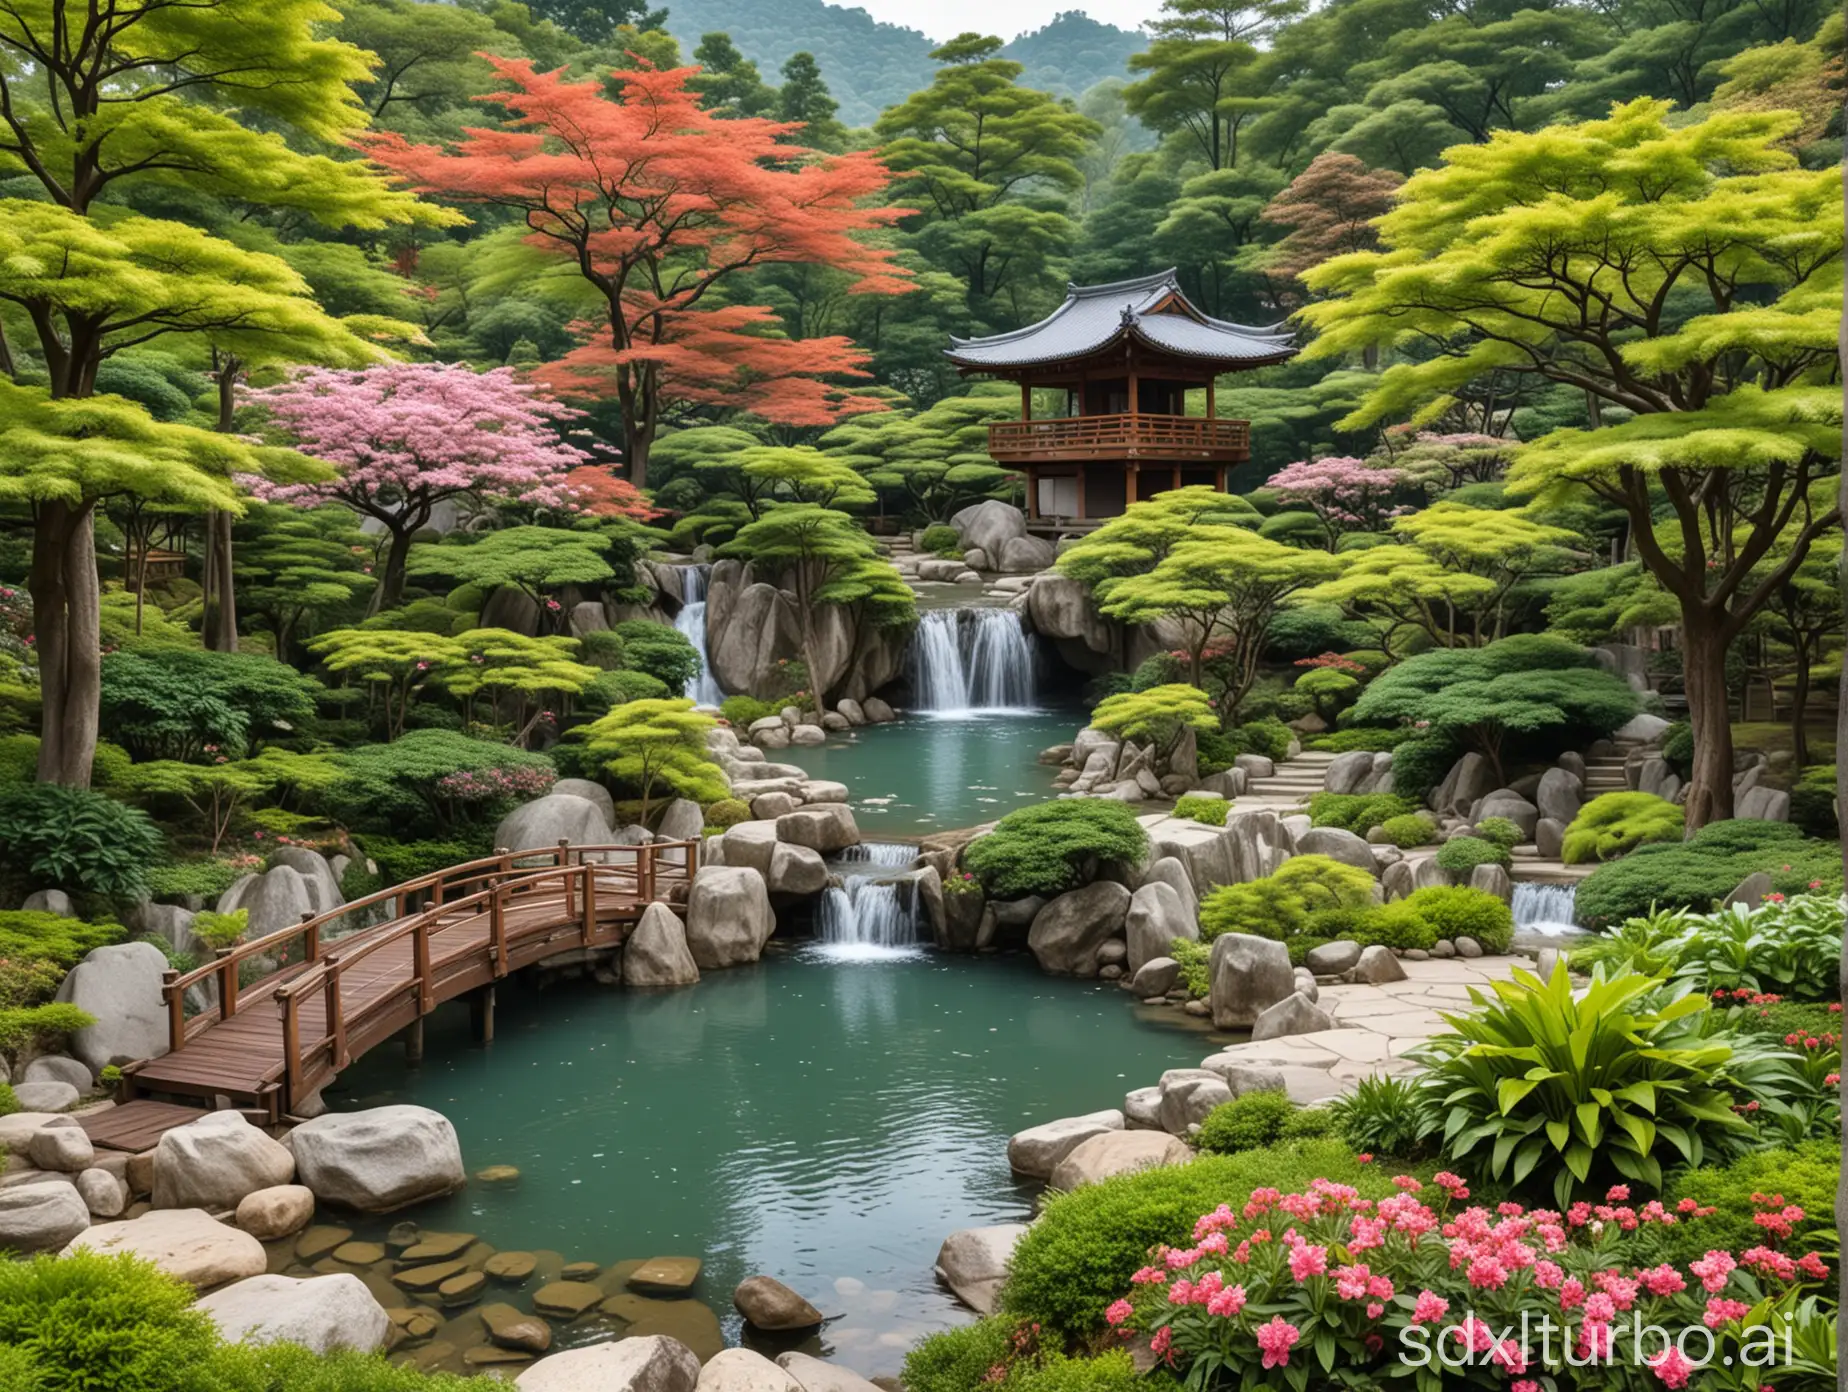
{"type": "Point", "coordinates": [870, 65]}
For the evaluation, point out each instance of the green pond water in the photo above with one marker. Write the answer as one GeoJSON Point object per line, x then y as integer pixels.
{"type": "Point", "coordinates": [823, 1118]}
{"type": "Point", "coordinates": [935, 773]}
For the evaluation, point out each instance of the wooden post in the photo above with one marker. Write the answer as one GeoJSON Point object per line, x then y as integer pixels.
{"type": "Point", "coordinates": [1210, 383]}
{"type": "Point", "coordinates": [481, 1014]}
{"type": "Point", "coordinates": [336, 1020]}
{"type": "Point", "coordinates": [1033, 511]}
{"type": "Point", "coordinates": [1026, 402]}
{"type": "Point", "coordinates": [311, 937]}
{"type": "Point", "coordinates": [1221, 471]}
{"type": "Point", "coordinates": [497, 930]}
{"type": "Point", "coordinates": [414, 1041]}
{"type": "Point", "coordinates": [227, 984]}
{"type": "Point", "coordinates": [291, 1046]}
{"type": "Point", "coordinates": [587, 924]}
{"type": "Point", "coordinates": [1082, 513]}
{"type": "Point", "coordinates": [176, 1011]}
{"type": "Point", "coordinates": [1174, 477]}
{"type": "Point", "coordinates": [420, 957]}
{"type": "Point", "coordinates": [564, 863]}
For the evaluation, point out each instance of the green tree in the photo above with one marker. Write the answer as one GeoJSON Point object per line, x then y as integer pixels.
{"type": "Point", "coordinates": [533, 560]}
{"type": "Point", "coordinates": [427, 56]}
{"type": "Point", "coordinates": [728, 82]}
{"type": "Point", "coordinates": [987, 163]}
{"type": "Point", "coordinates": [650, 744]}
{"type": "Point", "coordinates": [398, 666]}
{"type": "Point", "coordinates": [1197, 64]}
{"type": "Point", "coordinates": [298, 568]}
{"type": "Point", "coordinates": [1155, 717]}
{"type": "Point", "coordinates": [595, 21]}
{"type": "Point", "coordinates": [829, 562]}
{"type": "Point", "coordinates": [804, 97]}
{"type": "Point", "coordinates": [198, 706]}
{"type": "Point", "coordinates": [928, 463]}
{"type": "Point", "coordinates": [523, 678]}
{"type": "Point", "coordinates": [1707, 267]}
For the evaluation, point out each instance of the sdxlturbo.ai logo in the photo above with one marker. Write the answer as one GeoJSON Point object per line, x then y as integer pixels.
{"type": "Point", "coordinates": [1540, 1343]}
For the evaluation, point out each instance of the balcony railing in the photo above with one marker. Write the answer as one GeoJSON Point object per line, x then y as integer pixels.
{"type": "Point", "coordinates": [1120, 437]}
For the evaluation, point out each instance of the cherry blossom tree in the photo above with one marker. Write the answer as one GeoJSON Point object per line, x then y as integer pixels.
{"type": "Point", "coordinates": [1345, 494]}
{"type": "Point", "coordinates": [407, 436]}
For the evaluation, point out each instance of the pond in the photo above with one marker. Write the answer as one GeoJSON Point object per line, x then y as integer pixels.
{"type": "Point", "coordinates": [823, 1118]}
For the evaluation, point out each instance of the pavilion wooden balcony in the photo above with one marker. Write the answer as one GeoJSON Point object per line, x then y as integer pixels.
{"type": "Point", "coordinates": [1143, 436]}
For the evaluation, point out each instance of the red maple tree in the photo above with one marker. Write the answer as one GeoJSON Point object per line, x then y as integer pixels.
{"type": "Point", "coordinates": [595, 491]}
{"type": "Point", "coordinates": [657, 203]}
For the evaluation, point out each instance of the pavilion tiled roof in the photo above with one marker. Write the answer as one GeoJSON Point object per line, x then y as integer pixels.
{"type": "Point", "coordinates": [1151, 309]}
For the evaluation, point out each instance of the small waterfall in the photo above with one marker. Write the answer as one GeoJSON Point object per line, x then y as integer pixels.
{"type": "Point", "coordinates": [1545, 911]}
{"type": "Point", "coordinates": [971, 662]}
{"type": "Point", "coordinates": [691, 620]}
{"type": "Point", "coordinates": [891, 854]}
{"type": "Point", "coordinates": [874, 912]}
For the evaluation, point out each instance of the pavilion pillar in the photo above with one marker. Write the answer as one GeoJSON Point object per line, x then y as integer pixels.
{"type": "Point", "coordinates": [1026, 402]}
{"type": "Point", "coordinates": [481, 1014]}
{"type": "Point", "coordinates": [1082, 510]}
{"type": "Point", "coordinates": [1209, 402]}
{"type": "Point", "coordinates": [1174, 477]}
{"type": "Point", "coordinates": [1221, 484]}
{"type": "Point", "coordinates": [1033, 511]}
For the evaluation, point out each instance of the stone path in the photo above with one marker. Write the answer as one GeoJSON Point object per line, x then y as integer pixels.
{"type": "Point", "coordinates": [1293, 783]}
{"type": "Point", "coordinates": [1379, 1025]}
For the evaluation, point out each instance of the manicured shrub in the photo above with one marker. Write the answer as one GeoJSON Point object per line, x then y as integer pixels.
{"type": "Point", "coordinates": [1394, 925]}
{"type": "Point", "coordinates": [207, 876]}
{"type": "Point", "coordinates": [1331, 691]}
{"type": "Point", "coordinates": [92, 1322]}
{"type": "Point", "coordinates": [1055, 846]}
{"type": "Point", "coordinates": [1373, 738]}
{"type": "Point", "coordinates": [1806, 1175]}
{"type": "Point", "coordinates": [1158, 669]}
{"type": "Point", "coordinates": [185, 703]}
{"type": "Point", "coordinates": [1706, 868]}
{"type": "Point", "coordinates": [1216, 750]}
{"type": "Point", "coordinates": [1268, 736]}
{"type": "Point", "coordinates": [1812, 802]}
{"type": "Point", "coordinates": [1678, 747]}
{"type": "Point", "coordinates": [434, 782]}
{"type": "Point", "coordinates": [1195, 958]}
{"type": "Point", "coordinates": [727, 812]}
{"type": "Point", "coordinates": [600, 648]}
{"type": "Point", "coordinates": [1282, 905]}
{"type": "Point", "coordinates": [1006, 1355]}
{"type": "Point", "coordinates": [1501, 831]}
{"type": "Point", "coordinates": [54, 837]}
{"type": "Point", "coordinates": [958, 1360]}
{"type": "Point", "coordinates": [291, 1368]}
{"type": "Point", "coordinates": [1358, 812]}
{"type": "Point", "coordinates": [942, 540]}
{"type": "Point", "coordinates": [1408, 830]}
{"type": "Point", "coordinates": [1244, 1123]}
{"type": "Point", "coordinates": [29, 935]}
{"type": "Point", "coordinates": [619, 688]}
{"type": "Point", "coordinates": [1459, 911]}
{"type": "Point", "coordinates": [741, 712]}
{"type": "Point", "coordinates": [1309, 1124]}
{"type": "Point", "coordinates": [662, 651]}
{"type": "Point", "coordinates": [1462, 854]}
{"type": "Point", "coordinates": [1156, 716]}
{"type": "Point", "coordinates": [1614, 823]}
{"type": "Point", "coordinates": [1210, 810]}
{"type": "Point", "coordinates": [1385, 1115]}
{"type": "Point", "coordinates": [399, 861]}
{"type": "Point", "coordinates": [1078, 1257]}
{"type": "Point", "coordinates": [9, 1103]}
{"type": "Point", "coordinates": [1419, 764]}
{"type": "Point", "coordinates": [357, 881]}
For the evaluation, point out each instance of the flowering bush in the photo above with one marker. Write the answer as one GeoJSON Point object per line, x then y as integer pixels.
{"type": "Point", "coordinates": [961, 882]}
{"type": "Point", "coordinates": [469, 786]}
{"type": "Point", "coordinates": [1294, 1286]}
{"type": "Point", "coordinates": [1787, 946]}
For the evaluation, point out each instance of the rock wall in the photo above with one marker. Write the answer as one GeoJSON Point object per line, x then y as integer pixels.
{"type": "Point", "coordinates": [752, 625]}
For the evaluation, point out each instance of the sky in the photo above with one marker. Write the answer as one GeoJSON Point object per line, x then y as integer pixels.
{"type": "Point", "coordinates": [944, 19]}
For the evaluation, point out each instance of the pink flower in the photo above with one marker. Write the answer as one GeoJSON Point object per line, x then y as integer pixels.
{"type": "Point", "coordinates": [1406, 1183]}
{"type": "Point", "coordinates": [1227, 1302]}
{"type": "Point", "coordinates": [1149, 1276]}
{"type": "Point", "coordinates": [1618, 1193]}
{"type": "Point", "coordinates": [1163, 1340]}
{"type": "Point", "coordinates": [1485, 1273]}
{"type": "Point", "coordinates": [1351, 1282]}
{"type": "Point", "coordinates": [1713, 1270]}
{"type": "Point", "coordinates": [1364, 1158]}
{"type": "Point", "coordinates": [1721, 1311]}
{"type": "Point", "coordinates": [1662, 1280]}
{"type": "Point", "coordinates": [1673, 1366]}
{"type": "Point", "coordinates": [1375, 1309]}
{"type": "Point", "coordinates": [1276, 1340]}
{"type": "Point", "coordinates": [1430, 1308]}
{"type": "Point", "coordinates": [1307, 1261]}
{"type": "Point", "coordinates": [1117, 1312]}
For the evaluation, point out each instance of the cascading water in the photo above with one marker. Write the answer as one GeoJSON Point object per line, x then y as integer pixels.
{"type": "Point", "coordinates": [1545, 911]}
{"type": "Point", "coordinates": [691, 620]}
{"type": "Point", "coordinates": [971, 662]}
{"type": "Point", "coordinates": [873, 914]}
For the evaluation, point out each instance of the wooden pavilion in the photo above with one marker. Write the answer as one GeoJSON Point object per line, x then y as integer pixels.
{"type": "Point", "coordinates": [1126, 355]}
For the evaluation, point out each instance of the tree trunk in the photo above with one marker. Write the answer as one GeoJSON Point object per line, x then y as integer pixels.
{"type": "Point", "coordinates": [68, 633]}
{"type": "Point", "coordinates": [1799, 703]}
{"type": "Point", "coordinates": [390, 593]}
{"type": "Point", "coordinates": [220, 620]}
{"type": "Point", "coordinates": [1710, 787]}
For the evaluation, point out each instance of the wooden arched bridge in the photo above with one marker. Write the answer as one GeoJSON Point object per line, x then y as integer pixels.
{"type": "Point", "coordinates": [295, 1007]}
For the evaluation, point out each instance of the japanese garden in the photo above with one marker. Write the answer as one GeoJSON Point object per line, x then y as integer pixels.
{"type": "Point", "coordinates": [753, 697]}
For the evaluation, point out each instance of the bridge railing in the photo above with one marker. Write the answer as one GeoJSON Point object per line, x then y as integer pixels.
{"type": "Point", "coordinates": [255, 971]}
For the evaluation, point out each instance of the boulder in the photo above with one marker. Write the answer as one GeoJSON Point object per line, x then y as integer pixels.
{"type": "Point", "coordinates": [212, 1163]}
{"type": "Point", "coordinates": [648, 1363]}
{"type": "Point", "coordinates": [121, 987]}
{"type": "Point", "coordinates": [1333, 958]}
{"type": "Point", "coordinates": [1241, 1075]}
{"type": "Point", "coordinates": [102, 1192]}
{"type": "Point", "coordinates": [1061, 609]}
{"type": "Point", "coordinates": [1257, 844]}
{"type": "Point", "coordinates": [1248, 975]}
{"type": "Point", "coordinates": [1492, 879]}
{"type": "Point", "coordinates": [1188, 1095]}
{"type": "Point", "coordinates": [1066, 933]}
{"type": "Point", "coordinates": [1467, 946]}
{"type": "Point", "coordinates": [1295, 1014]}
{"type": "Point", "coordinates": [768, 1304]}
{"type": "Point", "coordinates": [656, 953]}
{"type": "Point", "coordinates": [1119, 1152]}
{"type": "Point", "coordinates": [682, 821]}
{"type": "Point", "coordinates": [1142, 1109]}
{"type": "Point", "coordinates": [1026, 554]}
{"type": "Point", "coordinates": [1228, 783]}
{"type": "Point", "coordinates": [1173, 872]}
{"type": "Point", "coordinates": [1559, 795]}
{"type": "Point", "coordinates": [45, 1097]}
{"type": "Point", "coordinates": [380, 1159]}
{"type": "Point", "coordinates": [322, 1313]}
{"type": "Point", "coordinates": [750, 627]}
{"type": "Point", "coordinates": [1764, 805]}
{"type": "Point", "coordinates": [877, 711]}
{"type": "Point", "coordinates": [1507, 803]}
{"type": "Point", "coordinates": [41, 1217]}
{"type": "Point", "coordinates": [317, 874]}
{"type": "Point", "coordinates": [851, 712]}
{"type": "Point", "coordinates": [61, 1146]}
{"type": "Point", "coordinates": [1155, 977]}
{"type": "Point", "coordinates": [1349, 773]}
{"type": "Point", "coordinates": [796, 871]}
{"type": "Point", "coordinates": [749, 845]}
{"type": "Point", "coordinates": [279, 1211]}
{"type": "Point", "coordinates": [728, 916]}
{"type": "Point", "coordinates": [990, 525]}
{"type": "Point", "coordinates": [973, 1263]}
{"type": "Point", "coordinates": [808, 735]}
{"type": "Point", "coordinates": [590, 791]}
{"type": "Point", "coordinates": [51, 901]}
{"type": "Point", "coordinates": [1157, 916]}
{"type": "Point", "coordinates": [1751, 891]}
{"type": "Point", "coordinates": [1036, 1152]}
{"type": "Point", "coordinates": [56, 1068]}
{"type": "Point", "coordinates": [1255, 765]}
{"type": "Point", "coordinates": [187, 1244]}
{"type": "Point", "coordinates": [826, 827]}
{"type": "Point", "coordinates": [742, 1370]}
{"type": "Point", "coordinates": [1641, 728]}
{"type": "Point", "coordinates": [813, 1375]}
{"type": "Point", "coordinates": [1549, 838]}
{"type": "Point", "coordinates": [1470, 777]}
{"type": "Point", "coordinates": [1337, 844]}
{"type": "Point", "coordinates": [1377, 965]}
{"type": "Point", "coordinates": [541, 824]}
{"type": "Point", "coordinates": [276, 899]}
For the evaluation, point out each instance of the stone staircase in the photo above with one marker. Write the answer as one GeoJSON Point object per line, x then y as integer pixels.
{"type": "Point", "coordinates": [1293, 781]}
{"type": "Point", "coordinates": [1604, 773]}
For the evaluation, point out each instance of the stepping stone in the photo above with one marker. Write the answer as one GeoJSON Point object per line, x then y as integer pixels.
{"type": "Point", "coordinates": [568, 1299]}
{"type": "Point", "coordinates": [498, 1174]}
{"type": "Point", "coordinates": [435, 1247]}
{"type": "Point", "coordinates": [318, 1242]}
{"type": "Point", "coordinates": [514, 1329]}
{"type": "Point", "coordinates": [359, 1253]}
{"type": "Point", "coordinates": [666, 1273]}
{"type": "Point", "coordinates": [402, 1235]}
{"type": "Point", "coordinates": [579, 1271]}
{"type": "Point", "coordinates": [463, 1289]}
{"type": "Point", "coordinates": [511, 1266]}
{"type": "Point", "coordinates": [692, 1322]}
{"type": "Point", "coordinates": [427, 1278]}
{"type": "Point", "coordinates": [414, 1321]}
{"type": "Point", "coordinates": [487, 1356]}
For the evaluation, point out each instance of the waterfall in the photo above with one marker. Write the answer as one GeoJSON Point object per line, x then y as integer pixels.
{"type": "Point", "coordinates": [873, 913]}
{"type": "Point", "coordinates": [691, 620]}
{"type": "Point", "coordinates": [891, 854]}
{"type": "Point", "coordinates": [1545, 910]}
{"type": "Point", "coordinates": [971, 662]}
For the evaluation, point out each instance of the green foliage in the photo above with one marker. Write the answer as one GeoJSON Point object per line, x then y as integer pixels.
{"type": "Point", "coordinates": [1080, 1253]}
{"type": "Point", "coordinates": [1358, 812]}
{"type": "Point", "coordinates": [1195, 959]}
{"type": "Point", "coordinates": [40, 1028]}
{"type": "Point", "coordinates": [534, 560]}
{"type": "Point", "coordinates": [92, 1322]}
{"type": "Point", "coordinates": [612, 689]}
{"type": "Point", "coordinates": [356, 881]}
{"type": "Point", "coordinates": [650, 744]}
{"type": "Point", "coordinates": [413, 786]}
{"type": "Point", "coordinates": [1704, 869]}
{"type": "Point", "coordinates": [1280, 906]}
{"type": "Point", "coordinates": [1385, 1115]}
{"type": "Point", "coordinates": [28, 935]}
{"type": "Point", "coordinates": [727, 812]}
{"type": "Point", "coordinates": [399, 861]}
{"type": "Point", "coordinates": [997, 1352]}
{"type": "Point", "coordinates": [1499, 830]}
{"type": "Point", "coordinates": [1155, 717]}
{"type": "Point", "coordinates": [1788, 947]}
{"type": "Point", "coordinates": [1268, 736]}
{"type": "Point", "coordinates": [178, 704]}
{"type": "Point", "coordinates": [942, 540]}
{"type": "Point", "coordinates": [741, 712]}
{"type": "Point", "coordinates": [1459, 911]}
{"type": "Point", "coordinates": [1812, 802]}
{"type": "Point", "coordinates": [1332, 691]}
{"type": "Point", "coordinates": [9, 1104]}
{"type": "Point", "coordinates": [1411, 829]}
{"type": "Point", "coordinates": [1806, 1175]}
{"type": "Point", "coordinates": [1461, 854]}
{"type": "Point", "coordinates": [1249, 1122]}
{"type": "Point", "coordinates": [54, 837]}
{"type": "Point", "coordinates": [660, 650]}
{"type": "Point", "coordinates": [205, 877]}
{"type": "Point", "coordinates": [1369, 737]}
{"type": "Point", "coordinates": [1055, 846]}
{"type": "Point", "coordinates": [1561, 1093]}
{"type": "Point", "coordinates": [1613, 824]}
{"type": "Point", "coordinates": [220, 930]}
{"type": "Point", "coordinates": [271, 1367]}
{"type": "Point", "coordinates": [1210, 810]}
{"type": "Point", "coordinates": [1420, 763]}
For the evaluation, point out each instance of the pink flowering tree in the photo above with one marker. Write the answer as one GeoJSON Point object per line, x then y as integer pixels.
{"type": "Point", "coordinates": [1345, 494]}
{"type": "Point", "coordinates": [407, 436]}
